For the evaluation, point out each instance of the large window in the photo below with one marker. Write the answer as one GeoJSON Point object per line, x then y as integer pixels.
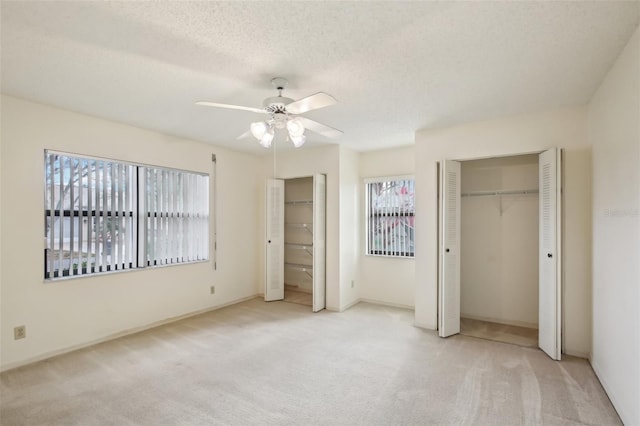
{"type": "Point", "coordinates": [104, 216]}
{"type": "Point", "coordinates": [390, 216]}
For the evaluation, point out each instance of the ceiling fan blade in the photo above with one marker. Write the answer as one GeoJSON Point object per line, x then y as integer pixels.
{"type": "Point", "coordinates": [321, 129]}
{"type": "Point", "coordinates": [244, 135]}
{"type": "Point", "coordinates": [319, 100]}
{"type": "Point", "coordinates": [243, 108]}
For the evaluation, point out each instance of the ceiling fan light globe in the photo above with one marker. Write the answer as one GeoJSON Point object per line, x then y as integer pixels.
{"type": "Point", "coordinates": [258, 129]}
{"type": "Point", "coordinates": [265, 144]}
{"type": "Point", "coordinates": [267, 138]}
{"type": "Point", "coordinates": [295, 127]}
{"type": "Point", "coordinates": [298, 141]}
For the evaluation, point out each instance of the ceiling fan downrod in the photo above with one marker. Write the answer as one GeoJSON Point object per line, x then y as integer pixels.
{"type": "Point", "coordinates": [280, 84]}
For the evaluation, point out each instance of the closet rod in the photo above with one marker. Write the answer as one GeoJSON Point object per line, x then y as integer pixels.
{"type": "Point", "coordinates": [493, 193]}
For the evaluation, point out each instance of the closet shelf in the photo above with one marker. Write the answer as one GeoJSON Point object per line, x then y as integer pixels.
{"type": "Point", "coordinates": [306, 247]}
{"type": "Point", "coordinates": [307, 269]}
{"type": "Point", "coordinates": [299, 202]}
{"type": "Point", "coordinates": [305, 226]}
{"type": "Point", "coordinates": [494, 193]}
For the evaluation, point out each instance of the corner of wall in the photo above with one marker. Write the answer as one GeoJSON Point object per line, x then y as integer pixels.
{"type": "Point", "coordinates": [614, 134]}
{"type": "Point", "coordinates": [350, 223]}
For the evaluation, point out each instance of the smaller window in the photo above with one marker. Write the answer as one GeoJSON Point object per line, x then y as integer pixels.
{"type": "Point", "coordinates": [390, 217]}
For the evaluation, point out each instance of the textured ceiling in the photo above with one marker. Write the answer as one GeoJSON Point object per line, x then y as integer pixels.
{"type": "Point", "coordinates": [395, 67]}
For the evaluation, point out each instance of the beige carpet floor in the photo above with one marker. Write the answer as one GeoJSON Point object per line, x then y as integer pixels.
{"type": "Point", "coordinates": [515, 335]}
{"type": "Point", "coordinates": [299, 297]}
{"type": "Point", "coordinates": [277, 363]}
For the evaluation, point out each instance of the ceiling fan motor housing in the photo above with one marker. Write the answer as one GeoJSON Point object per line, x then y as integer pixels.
{"type": "Point", "coordinates": [279, 120]}
{"type": "Point", "coordinates": [276, 104]}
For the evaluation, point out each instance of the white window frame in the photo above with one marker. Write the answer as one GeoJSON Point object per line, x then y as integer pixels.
{"type": "Point", "coordinates": [86, 252]}
{"type": "Point", "coordinates": [403, 251]}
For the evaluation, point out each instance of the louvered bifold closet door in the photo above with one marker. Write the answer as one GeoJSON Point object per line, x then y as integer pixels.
{"type": "Point", "coordinates": [319, 238]}
{"type": "Point", "coordinates": [274, 262]}
{"type": "Point", "coordinates": [449, 303]}
{"type": "Point", "coordinates": [549, 287]}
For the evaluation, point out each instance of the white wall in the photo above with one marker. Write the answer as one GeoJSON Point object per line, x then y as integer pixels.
{"type": "Point", "coordinates": [499, 241]}
{"type": "Point", "coordinates": [614, 131]}
{"type": "Point", "coordinates": [350, 219]}
{"type": "Point", "coordinates": [71, 313]}
{"type": "Point", "coordinates": [386, 279]}
{"type": "Point", "coordinates": [509, 136]}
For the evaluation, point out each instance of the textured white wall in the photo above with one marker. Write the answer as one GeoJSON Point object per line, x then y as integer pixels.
{"type": "Point", "coordinates": [350, 220]}
{"type": "Point", "coordinates": [385, 279]}
{"type": "Point", "coordinates": [614, 131]}
{"type": "Point", "coordinates": [71, 313]}
{"type": "Point", "coordinates": [509, 136]}
{"type": "Point", "coordinates": [499, 242]}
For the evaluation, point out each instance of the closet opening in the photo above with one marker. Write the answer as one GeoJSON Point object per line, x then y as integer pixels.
{"type": "Point", "coordinates": [298, 241]}
{"type": "Point", "coordinates": [295, 246]}
{"type": "Point", "coordinates": [499, 249]}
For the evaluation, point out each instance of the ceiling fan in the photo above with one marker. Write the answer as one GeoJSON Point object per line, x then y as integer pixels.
{"type": "Point", "coordinates": [284, 113]}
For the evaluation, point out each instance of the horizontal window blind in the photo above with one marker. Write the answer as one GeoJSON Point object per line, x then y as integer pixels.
{"type": "Point", "coordinates": [390, 208]}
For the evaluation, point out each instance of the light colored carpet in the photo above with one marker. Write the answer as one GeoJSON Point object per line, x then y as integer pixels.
{"type": "Point", "coordinates": [278, 363]}
{"type": "Point", "coordinates": [299, 297]}
{"type": "Point", "coordinates": [499, 332]}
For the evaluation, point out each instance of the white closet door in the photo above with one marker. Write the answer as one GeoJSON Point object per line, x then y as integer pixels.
{"type": "Point", "coordinates": [549, 299]}
{"type": "Point", "coordinates": [449, 303]}
{"type": "Point", "coordinates": [319, 235]}
{"type": "Point", "coordinates": [274, 278]}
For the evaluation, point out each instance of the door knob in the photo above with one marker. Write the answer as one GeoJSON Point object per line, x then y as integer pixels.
{"type": "Point", "coordinates": [549, 255]}
{"type": "Point", "coordinates": [269, 241]}
{"type": "Point", "coordinates": [447, 250]}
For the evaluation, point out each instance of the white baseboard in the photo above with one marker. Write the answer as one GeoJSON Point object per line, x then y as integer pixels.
{"type": "Point", "coordinates": [383, 303]}
{"type": "Point", "coordinates": [51, 354]}
{"type": "Point", "coordinates": [349, 305]}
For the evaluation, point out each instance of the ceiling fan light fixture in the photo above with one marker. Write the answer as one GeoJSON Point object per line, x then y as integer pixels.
{"type": "Point", "coordinates": [298, 141]}
{"type": "Point", "coordinates": [267, 138]}
{"type": "Point", "coordinates": [259, 129]}
{"type": "Point", "coordinates": [295, 127]}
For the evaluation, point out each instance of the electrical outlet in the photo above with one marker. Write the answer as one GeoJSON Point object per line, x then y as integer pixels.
{"type": "Point", "coordinates": [353, 283]}
{"type": "Point", "coordinates": [19, 332]}
{"type": "Point", "coordinates": [213, 289]}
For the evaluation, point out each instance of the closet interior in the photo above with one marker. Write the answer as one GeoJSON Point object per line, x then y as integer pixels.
{"type": "Point", "coordinates": [298, 240]}
{"type": "Point", "coordinates": [499, 249]}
